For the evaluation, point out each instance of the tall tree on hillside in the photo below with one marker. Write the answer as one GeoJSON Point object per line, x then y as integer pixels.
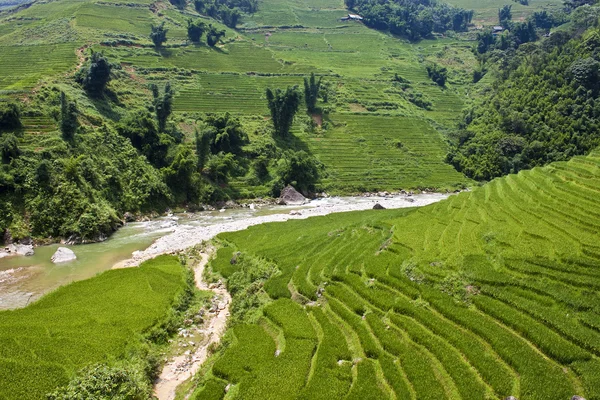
{"type": "Point", "coordinates": [96, 76]}
{"type": "Point", "coordinates": [179, 3]}
{"type": "Point", "coordinates": [195, 30]}
{"type": "Point", "coordinates": [283, 106]}
{"type": "Point", "coordinates": [202, 148]}
{"type": "Point", "coordinates": [10, 116]}
{"type": "Point", "coordinates": [163, 105]}
{"type": "Point", "coordinates": [213, 36]}
{"type": "Point", "coordinates": [311, 92]}
{"type": "Point", "coordinates": [158, 34]}
{"type": "Point", "coordinates": [68, 117]}
{"type": "Point", "coordinates": [505, 15]}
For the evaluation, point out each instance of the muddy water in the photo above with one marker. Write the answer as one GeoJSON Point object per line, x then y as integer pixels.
{"type": "Point", "coordinates": [24, 279]}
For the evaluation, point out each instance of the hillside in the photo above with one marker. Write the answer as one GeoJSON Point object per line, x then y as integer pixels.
{"type": "Point", "coordinates": [487, 294]}
{"type": "Point", "coordinates": [379, 123]}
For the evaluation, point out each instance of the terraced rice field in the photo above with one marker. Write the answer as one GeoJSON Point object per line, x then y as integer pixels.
{"type": "Point", "coordinates": [92, 321]}
{"type": "Point", "coordinates": [22, 66]}
{"type": "Point", "coordinates": [366, 153]}
{"type": "Point", "coordinates": [488, 294]}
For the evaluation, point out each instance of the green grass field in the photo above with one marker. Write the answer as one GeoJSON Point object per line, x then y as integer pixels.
{"type": "Point", "coordinates": [91, 321]}
{"type": "Point", "coordinates": [487, 294]}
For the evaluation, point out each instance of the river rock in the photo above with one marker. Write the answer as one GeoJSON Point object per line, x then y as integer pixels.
{"type": "Point", "coordinates": [378, 206]}
{"type": "Point", "coordinates": [510, 398]}
{"type": "Point", "coordinates": [577, 398]}
{"type": "Point", "coordinates": [63, 255]}
{"type": "Point", "coordinates": [24, 249]}
{"type": "Point", "coordinates": [291, 197]}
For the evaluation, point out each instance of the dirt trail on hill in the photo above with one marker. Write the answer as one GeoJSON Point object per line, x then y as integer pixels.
{"type": "Point", "coordinates": [184, 366]}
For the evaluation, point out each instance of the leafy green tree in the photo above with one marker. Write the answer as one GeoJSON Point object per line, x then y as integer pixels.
{"type": "Point", "coordinates": [68, 117]}
{"type": "Point", "coordinates": [225, 134]}
{"type": "Point", "coordinates": [299, 169]}
{"type": "Point", "coordinates": [586, 72]}
{"type": "Point", "coordinates": [9, 148]}
{"type": "Point", "coordinates": [195, 29]}
{"type": "Point", "coordinates": [214, 35]}
{"type": "Point", "coordinates": [220, 166]}
{"type": "Point", "coordinates": [10, 116]}
{"type": "Point", "coordinates": [229, 16]}
{"type": "Point", "coordinates": [437, 74]}
{"type": "Point", "coordinates": [163, 105]}
{"type": "Point", "coordinates": [181, 174]}
{"type": "Point", "coordinates": [141, 129]}
{"type": "Point", "coordinates": [505, 15]}
{"type": "Point", "coordinates": [96, 76]}
{"type": "Point", "coordinates": [311, 92]}
{"type": "Point", "coordinates": [179, 3]}
{"type": "Point", "coordinates": [158, 34]}
{"type": "Point", "coordinates": [202, 148]}
{"type": "Point", "coordinates": [283, 106]}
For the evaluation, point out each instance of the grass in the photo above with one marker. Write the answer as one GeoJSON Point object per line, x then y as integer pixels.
{"type": "Point", "coordinates": [454, 300]}
{"type": "Point", "coordinates": [95, 320]}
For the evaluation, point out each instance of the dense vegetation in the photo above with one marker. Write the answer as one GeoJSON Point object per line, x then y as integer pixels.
{"type": "Point", "coordinates": [543, 108]}
{"type": "Point", "coordinates": [106, 325]}
{"type": "Point", "coordinates": [488, 294]}
{"type": "Point", "coordinates": [413, 19]}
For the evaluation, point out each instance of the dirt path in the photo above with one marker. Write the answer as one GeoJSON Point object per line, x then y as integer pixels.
{"type": "Point", "coordinates": [184, 366]}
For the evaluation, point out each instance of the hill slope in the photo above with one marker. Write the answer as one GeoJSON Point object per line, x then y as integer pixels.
{"type": "Point", "coordinates": [489, 293]}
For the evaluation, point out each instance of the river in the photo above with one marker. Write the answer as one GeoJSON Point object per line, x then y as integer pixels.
{"type": "Point", "coordinates": [24, 279]}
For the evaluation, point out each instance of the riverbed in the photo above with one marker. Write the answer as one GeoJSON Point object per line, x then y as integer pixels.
{"type": "Point", "coordinates": [25, 279]}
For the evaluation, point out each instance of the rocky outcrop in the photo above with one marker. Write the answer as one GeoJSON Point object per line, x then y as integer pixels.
{"type": "Point", "coordinates": [378, 206]}
{"type": "Point", "coordinates": [291, 197]}
{"type": "Point", "coordinates": [63, 255]}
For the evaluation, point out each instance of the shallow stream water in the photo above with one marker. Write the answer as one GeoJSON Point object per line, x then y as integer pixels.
{"type": "Point", "coordinates": [24, 279]}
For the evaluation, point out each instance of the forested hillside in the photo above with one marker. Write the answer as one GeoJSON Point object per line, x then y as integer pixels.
{"type": "Point", "coordinates": [544, 106]}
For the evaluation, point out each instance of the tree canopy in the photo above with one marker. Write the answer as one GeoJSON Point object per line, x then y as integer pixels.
{"type": "Point", "coordinates": [95, 76]}
{"type": "Point", "coordinates": [158, 34]}
{"type": "Point", "coordinates": [283, 105]}
{"type": "Point", "coordinates": [414, 19]}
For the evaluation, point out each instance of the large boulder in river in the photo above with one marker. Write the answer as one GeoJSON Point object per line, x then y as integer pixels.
{"type": "Point", "coordinates": [378, 206]}
{"type": "Point", "coordinates": [291, 197]}
{"type": "Point", "coordinates": [63, 255]}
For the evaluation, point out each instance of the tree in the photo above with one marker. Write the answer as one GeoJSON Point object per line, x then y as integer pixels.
{"type": "Point", "coordinates": [299, 169]}
{"type": "Point", "coordinates": [213, 36]}
{"type": "Point", "coordinates": [179, 3]}
{"type": "Point", "coordinates": [283, 106]}
{"type": "Point", "coordinates": [195, 30]}
{"type": "Point", "coordinates": [202, 148]}
{"type": "Point", "coordinates": [163, 105]}
{"type": "Point", "coordinates": [10, 116]}
{"type": "Point", "coordinates": [96, 76]}
{"type": "Point", "coordinates": [311, 92]}
{"type": "Point", "coordinates": [225, 134]}
{"type": "Point", "coordinates": [158, 34]}
{"type": "Point", "coordinates": [437, 74]}
{"type": "Point", "coordinates": [505, 15]}
{"type": "Point", "coordinates": [229, 16]}
{"type": "Point", "coordinates": [68, 117]}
